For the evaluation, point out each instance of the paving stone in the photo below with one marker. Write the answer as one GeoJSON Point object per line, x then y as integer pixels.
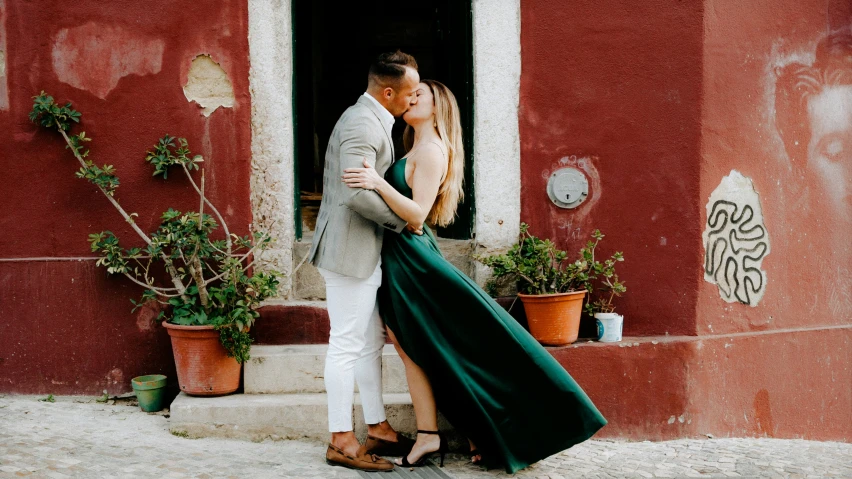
{"type": "Point", "coordinates": [79, 438]}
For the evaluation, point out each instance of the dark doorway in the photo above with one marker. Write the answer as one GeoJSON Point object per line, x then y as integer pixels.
{"type": "Point", "coordinates": [334, 43]}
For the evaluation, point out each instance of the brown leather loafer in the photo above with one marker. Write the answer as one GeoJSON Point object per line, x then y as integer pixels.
{"type": "Point", "coordinates": [382, 447]}
{"type": "Point", "coordinates": [363, 461]}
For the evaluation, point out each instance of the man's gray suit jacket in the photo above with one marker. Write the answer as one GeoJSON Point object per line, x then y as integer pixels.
{"type": "Point", "coordinates": [351, 221]}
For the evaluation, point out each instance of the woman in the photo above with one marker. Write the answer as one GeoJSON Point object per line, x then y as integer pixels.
{"type": "Point", "coordinates": [463, 353]}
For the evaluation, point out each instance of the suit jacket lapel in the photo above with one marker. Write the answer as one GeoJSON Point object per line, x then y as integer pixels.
{"type": "Point", "coordinates": [374, 108]}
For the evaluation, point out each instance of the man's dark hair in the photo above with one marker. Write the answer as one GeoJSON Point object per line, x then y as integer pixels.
{"type": "Point", "coordinates": [389, 68]}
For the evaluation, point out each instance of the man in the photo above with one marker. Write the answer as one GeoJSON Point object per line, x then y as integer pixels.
{"type": "Point", "coordinates": [346, 249]}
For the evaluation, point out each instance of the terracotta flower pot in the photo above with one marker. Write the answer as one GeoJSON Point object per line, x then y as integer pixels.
{"type": "Point", "coordinates": [149, 391]}
{"type": "Point", "coordinates": [203, 365]}
{"type": "Point", "coordinates": [554, 319]}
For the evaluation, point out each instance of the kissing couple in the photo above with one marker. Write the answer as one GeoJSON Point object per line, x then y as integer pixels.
{"type": "Point", "coordinates": [385, 276]}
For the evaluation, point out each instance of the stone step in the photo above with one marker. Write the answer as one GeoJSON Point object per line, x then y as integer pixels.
{"type": "Point", "coordinates": [299, 369]}
{"type": "Point", "coordinates": [256, 417]}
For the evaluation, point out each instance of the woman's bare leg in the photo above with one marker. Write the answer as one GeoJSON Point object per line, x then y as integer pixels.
{"type": "Point", "coordinates": [424, 405]}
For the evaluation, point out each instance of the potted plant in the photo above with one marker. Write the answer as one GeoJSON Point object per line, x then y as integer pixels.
{"type": "Point", "coordinates": [551, 286]}
{"type": "Point", "coordinates": [213, 294]}
{"type": "Point", "coordinates": [608, 287]}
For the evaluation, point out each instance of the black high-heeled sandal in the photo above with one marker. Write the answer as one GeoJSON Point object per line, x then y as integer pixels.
{"type": "Point", "coordinates": [473, 453]}
{"type": "Point", "coordinates": [442, 449]}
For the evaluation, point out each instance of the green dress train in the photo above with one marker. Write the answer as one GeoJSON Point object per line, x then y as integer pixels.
{"type": "Point", "coordinates": [491, 379]}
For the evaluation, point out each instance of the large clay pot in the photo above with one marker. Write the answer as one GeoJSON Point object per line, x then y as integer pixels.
{"type": "Point", "coordinates": [203, 365]}
{"type": "Point", "coordinates": [554, 319]}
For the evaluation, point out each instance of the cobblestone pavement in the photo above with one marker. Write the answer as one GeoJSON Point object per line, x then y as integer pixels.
{"type": "Point", "coordinates": [78, 437]}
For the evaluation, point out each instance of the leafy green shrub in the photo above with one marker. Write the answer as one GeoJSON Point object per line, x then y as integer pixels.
{"type": "Point", "coordinates": [539, 267]}
{"type": "Point", "coordinates": [210, 279]}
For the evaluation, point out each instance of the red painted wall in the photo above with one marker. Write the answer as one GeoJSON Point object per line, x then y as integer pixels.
{"type": "Point", "coordinates": [785, 384]}
{"type": "Point", "coordinates": [783, 367]}
{"type": "Point", "coordinates": [809, 268]}
{"type": "Point", "coordinates": [774, 384]}
{"type": "Point", "coordinates": [619, 83]}
{"type": "Point", "coordinates": [637, 386]}
{"type": "Point", "coordinates": [64, 327]}
{"type": "Point", "coordinates": [656, 102]}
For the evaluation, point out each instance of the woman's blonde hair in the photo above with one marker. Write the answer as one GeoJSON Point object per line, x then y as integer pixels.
{"type": "Point", "coordinates": [448, 122]}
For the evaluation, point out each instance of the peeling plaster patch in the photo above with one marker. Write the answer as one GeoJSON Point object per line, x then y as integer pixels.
{"type": "Point", "coordinates": [208, 85]}
{"type": "Point", "coordinates": [94, 57]}
{"type": "Point", "coordinates": [146, 318]}
{"type": "Point", "coordinates": [735, 241]}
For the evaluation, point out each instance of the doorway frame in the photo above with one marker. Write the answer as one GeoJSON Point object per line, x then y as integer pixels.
{"type": "Point", "coordinates": [497, 169]}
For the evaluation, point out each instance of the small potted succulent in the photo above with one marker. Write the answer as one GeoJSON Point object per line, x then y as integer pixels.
{"type": "Point", "coordinates": [609, 287]}
{"type": "Point", "coordinates": [551, 285]}
{"type": "Point", "coordinates": [212, 294]}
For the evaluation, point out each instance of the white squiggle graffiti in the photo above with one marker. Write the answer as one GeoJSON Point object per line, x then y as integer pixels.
{"type": "Point", "coordinates": [735, 241]}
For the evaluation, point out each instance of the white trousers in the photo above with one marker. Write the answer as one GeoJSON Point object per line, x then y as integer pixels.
{"type": "Point", "coordinates": [354, 348]}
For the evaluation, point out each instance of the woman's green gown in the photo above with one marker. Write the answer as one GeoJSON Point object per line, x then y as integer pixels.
{"type": "Point", "coordinates": [491, 379]}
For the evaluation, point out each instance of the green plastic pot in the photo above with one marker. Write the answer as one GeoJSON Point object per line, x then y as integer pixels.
{"type": "Point", "coordinates": [149, 391]}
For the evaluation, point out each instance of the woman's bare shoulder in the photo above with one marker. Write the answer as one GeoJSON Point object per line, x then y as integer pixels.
{"type": "Point", "coordinates": [431, 155]}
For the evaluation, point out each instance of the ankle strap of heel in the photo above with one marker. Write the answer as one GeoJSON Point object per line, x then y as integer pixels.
{"type": "Point", "coordinates": [428, 432]}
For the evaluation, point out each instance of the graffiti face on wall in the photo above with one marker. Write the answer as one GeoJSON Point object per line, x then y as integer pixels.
{"type": "Point", "coordinates": [735, 241]}
{"type": "Point", "coordinates": [814, 118]}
